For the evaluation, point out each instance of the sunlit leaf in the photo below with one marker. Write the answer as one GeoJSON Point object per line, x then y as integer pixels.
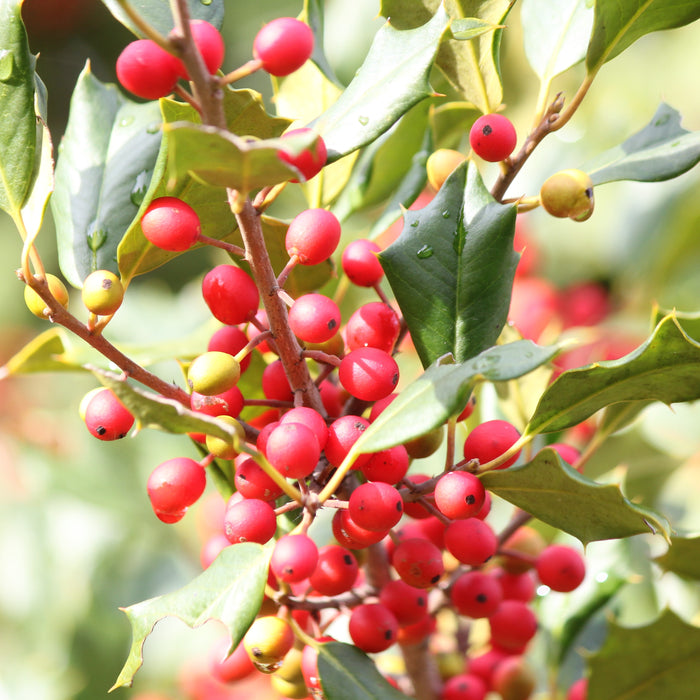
{"type": "Point", "coordinates": [558, 495]}
{"type": "Point", "coordinates": [18, 124]}
{"type": "Point", "coordinates": [230, 590]}
{"type": "Point", "coordinates": [682, 557]}
{"type": "Point", "coordinates": [105, 161]}
{"type": "Point", "coordinates": [41, 354]}
{"type": "Point", "coordinates": [313, 15]}
{"type": "Point", "coordinates": [666, 367]}
{"type": "Point", "coordinates": [659, 660]}
{"type": "Point", "coordinates": [443, 390]}
{"type": "Point", "coordinates": [660, 151]}
{"type": "Point", "coordinates": [159, 15]}
{"type": "Point", "coordinates": [348, 674]}
{"type": "Point", "coordinates": [555, 34]}
{"type": "Point", "coordinates": [452, 267]}
{"type": "Point", "coordinates": [470, 28]}
{"type": "Point", "coordinates": [619, 23]}
{"type": "Point", "coordinates": [393, 78]}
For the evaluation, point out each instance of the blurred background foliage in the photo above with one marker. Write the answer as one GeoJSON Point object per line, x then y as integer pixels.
{"type": "Point", "coordinates": [77, 535]}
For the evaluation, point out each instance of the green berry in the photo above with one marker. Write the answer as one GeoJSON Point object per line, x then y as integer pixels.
{"type": "Point", "coordinates": [213, 373]}
{"type": "Point", "coordinates": [102, 293]}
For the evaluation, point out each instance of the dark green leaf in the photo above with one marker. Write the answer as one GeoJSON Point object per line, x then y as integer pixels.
{"type": "Point", "coordinates": [660, 151]}
{"type": "Point", "coordinates": [230, 590]}
{"type": "Point", "coordinates": [105, 161]}
{"type": "Point", "coordinates": [682, 557]}
{"type": "Point", "coordinates": [689, 321]}
{"type": "Point", "coordinates": [442, 391]}
{"type": "Point", "coordinates": [553, 492]}
{"type": "Point", "coordinates": [393, 78]}
{"type": "Point", "coordinates": [666, 367]}
{"type": "Point", "coordinates": [159, 15]}
{"type": "Point", "coordinates": [555, 34]}
{"type": "Point", "coordinates": [348, 674]}
{"type": "Point", "coordinates": [619, 23]}
{"type": "Point", "coordinates": [452, 269]}
{"type": "Point", "coordinates": [18, 128]}
{"type": "Point", "coordinates": [659, 660]}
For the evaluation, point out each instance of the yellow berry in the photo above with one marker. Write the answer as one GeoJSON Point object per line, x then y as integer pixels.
{"type": "Point", "coordinates": [102, 293]}
{"type": "Point", "coordinates": [226, 449]}
{"type": "Point", "coordinates": [568, 193]}
{"type": "Point", "coordinates": [37, 305]}
{"type": "Point", "coordinates": [213, 373]}
{"type": "Point", "coordinates": [440, 164]}
{"type": "Point", "coordinates": [267, 642]}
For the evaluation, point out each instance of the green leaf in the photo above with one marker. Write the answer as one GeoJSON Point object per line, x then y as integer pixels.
{"type": "Point", "coordinates": [689, 321]}
{"type": "Point", "coordinates": [470, 28]}
{"type": "Point", "coordinates": [393, 78]}
{"type": "Point", "coordinates": [107, 154]}
{"type": "Point", "coordinates": [452, 269]}
{"type": "Point", "coordinates": [313, 15]}
{"type": "Point", "coordinates": [18, 130]}
{"type": "Point", "coordinates": [473, 67]}
{"type": "Point", "coordinates": [41, 354]}
{"type": "Point", "coordinates": [442, 391]}
{"type": "Point", "coordinates": [555, 34]}
{"type": "Point", "coordinates": [682, 557]}
{"type": "Point", "coordinates": [619, 23]}
{"type": "Point", "coordinates": [660, 151]}
{"type": "Point", "coordinates": [659, 660]}
{"type": "Point", "coordinates": [553, 492]}
{"type": "Point", "coordinates": [666, 367]}
{"type": "Point", "coordinates": [230, 590]}
{"type": "Point", "coordinates": [159, 15]}
{"type": "Point", "coordinates": [349, 674]}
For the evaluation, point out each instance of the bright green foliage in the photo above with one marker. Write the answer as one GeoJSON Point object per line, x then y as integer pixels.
{"type": "Point", "coordinates": [230, 590]}
{"type": "Point", "coordinates": [558, 495]}
{"type": "Point", "coordinates": [682, 557]}
{"type": "Point", "coordinates": [658, 660]}
{"type": "Point", "coordinates": [452, 269]}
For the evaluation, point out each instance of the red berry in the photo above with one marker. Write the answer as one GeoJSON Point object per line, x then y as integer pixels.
{"type": "Point", "coordinates": [253, 482]}
{"type": "Point", "coordinates": [230, 293]}
{"type": "Point", "coordinates": [372, 627]}
{"type": "Point", "coordinates": [471, 541]}
{"type": "Point", "coordinates": [561, 568]}
{"type": "Point", "coordinates": [342, 435]}
{"type": "Point", "coordinates": [408, 603]}
{"type": "Point", "coordinates": [294, 558]}
{"type": "Point", "coordinates": [464, 687]}
{"type": "Point", "coordinates": [230, 339]}
{"type": "Point", "coordinates": [517, 586]}
{"type": "Point", "coordinates": [361, 264]}
{"type": "Point", "coordinates": [376, 506]}
{"type": "Point", "coordinates": [146, 70]}
{"type": "Point", "coordinates": [415, 508]}
{"type": "Point", "coordinates": [171, 224]}
{"type": "Point", "coordinates": [212, 548]}
{"type": "Point", "coordinates": [308, 162]}
{"type": "Point", "coordinates": [313, 236]}
{"type": "Point", "coordinates": [249, 520]}
{"type": "Point", "coordinates": [493, 137]}
{"type": "Point", "coordinates": [227, 403]}
{"type": "Point", "coordinates": [176, 484]}
{"type": "Point", "coordinates": [579, 690]}
{"type": "Point", "coordinates": [374, 325]}
{"type": "Point", "coordinates": [311, 419]}
{"type": "Point", "coordinates": [476, 594]}
{"type": "Point", "coordinates": [292, 448]}
{"type": "Point", "coordinates": [368, 374]}
{"type": "Point", "coordinates": [485, 664]}
{"type": "Point", "coordinates": [228, 668]}
{"type": "Point", "coordinates": [490, 440]}
{"type": "Point", "coordinates": [210, 44]}
{"type": "Point", "coordinates": [513, 625]}
{"type": "Point", "coordinates": [275, 384]}
{"type": "Point", "coordinates": [459, 495]}
{"type": "Point", "coordinates": [106, 417]}
{"type": "Point", "coordinates": [314, 318]}
{"type": "Point", "coordinates": [336, 570]}
{"type": "Point", "coordinates": [283, 45]}
{"type": "Point", "coordinates": [389, 466]}
{"type": "Point", "coordinates": [349, 534]}
{"type": "Point", "coordinates": [418, 562]}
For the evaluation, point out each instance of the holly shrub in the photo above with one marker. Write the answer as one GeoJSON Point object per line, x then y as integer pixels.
{"type": "Point", "coordinates": [394, 423]}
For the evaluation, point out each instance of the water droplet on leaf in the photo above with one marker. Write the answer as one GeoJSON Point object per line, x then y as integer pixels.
{"type": "Point", "coordinates": [205, 2]}
{"type": "Point", "coordinates": [96, 239]}
{"type": "Point", "coordinates": [424, 252]}
{"type": "Point", "coordinates": [414, 223]}
{"type": "Point", "coordinates": [363, 120]}
{"type": "Point", "coordinates": [153, 128]}
{"type": "Point", "coordinates": [125, 121]}
{"type": "Point", "coordinates": [138, 191]}
{"type": "Point", "coordinates": [446, 214]}
{"type": "Point", "coordinates": [7, 64]}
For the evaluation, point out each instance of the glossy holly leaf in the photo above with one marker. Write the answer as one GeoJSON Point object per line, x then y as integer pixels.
{"type": "Point", "coordinates": [349, 674]}
{"type": "Point", "coordinates": [313, 15]}
{"type": "Point", "coordinates": [553, 492]}
{"type": "Point", "coordinates": [619, 23]}
{"type": "Point", "coordinates": [689, 321]}
{"type": "Point", "coordinates": [230, 590]}
{"type": "Point", "coordinates": [452, 269]}
{"type": "Point", "coordinates": [682, 557]}
{"type": "Point", "coordinates": [555, 35]}
{"type": "Point", "coordinates": [442, 391]}
{"type": "Point", "coordinates": [245, 114]}
{"type": "Point", "coordinates": [18, 129]}
{"type": "Point", "coordinates": [159, 14]}
{"type": "Point", "coordinates": [154, 411]}
{"type": "Point", "coordinates": [666, 368]}
{"type": "Point", "coordinates": [659, 660]}
{"type": "Point", "coordinates": [393, 78]}
{"type": "Point", "coordinates": [108, 151]}
{"type": "Point", "coordinates": [470, 28]}
{"type": "Point", "coordinates": [660, 151]}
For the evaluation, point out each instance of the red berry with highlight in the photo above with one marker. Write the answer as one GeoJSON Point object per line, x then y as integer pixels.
{"type": "Point", "coordinates": [408, 603]}
{"type": "Point", "coordinates": [471, 541]}
{"type": "Point", "coordinates": [459, 495]}
{"type": "Point", "coordinates": [418, 562]}
{"type": "Point", "coordinates": [513, 625]}
{"type": "Point", "coordinates": [342, 435]}
{"type": "Point", "coordinates": [210, 43]}
{"type": "Point", "coordinates": [310, 161]}
{"type": "Point", "coordinates": [146, 70]}
{"type": "Point", "coordinates": [283, 45]}
{"type": "Point", "coordinates": [374, 325]}
{"type": "Point", "coordinates": [361, 264]}
{"type": "Point", "coordinates": [313, 236]}
{"type": "Point", "coordinates": [230, 293]}
{"type": "Point", "coordinates": [176, 484]}
{"type": "Point", "coordinates": [106, 417]}
{"type": "Point", "coordinates": [375, 506]}
{"type": "Point", "coordinates": [294, 558]}
{"type": "Point", "coordinates": [561, 568]}
{"type": "Point", "coordinates": [372, 627]}
{"type": "Point", "coordinates": [249, 520]}
{"type": "Point", "coordinates": [368, 374]}
{"type": "Point", "coordinates": [336, 570]}
{"type": "Point", "coordinates": [476, 594]}
{"type": "Point", "coordinates": [493, 137]}
{"type": "Point", "coordinates": [490, 440]}
{"type": "Point", "coordinates": [292, 448]}
{"type": "Point", "coordinates": [314, 318]}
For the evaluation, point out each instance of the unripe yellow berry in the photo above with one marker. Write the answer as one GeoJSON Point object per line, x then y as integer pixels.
{"type": "Point", "coordinates": [568, 193]}
{"type": "Point", "coordinates": [226, 449]}
{"type": "Point", "coordinates": [440, 164]}
{"type": "Point", "coordinates": [37, 305]}
{"type": "Point", "coordinates": [295, 690]}
{"type": "Point", "coordinates": [213, 373]}
{"type": "Point", "coordinates": [102, 293]}
{"type": "Point", "coordinates": [267, 642]}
